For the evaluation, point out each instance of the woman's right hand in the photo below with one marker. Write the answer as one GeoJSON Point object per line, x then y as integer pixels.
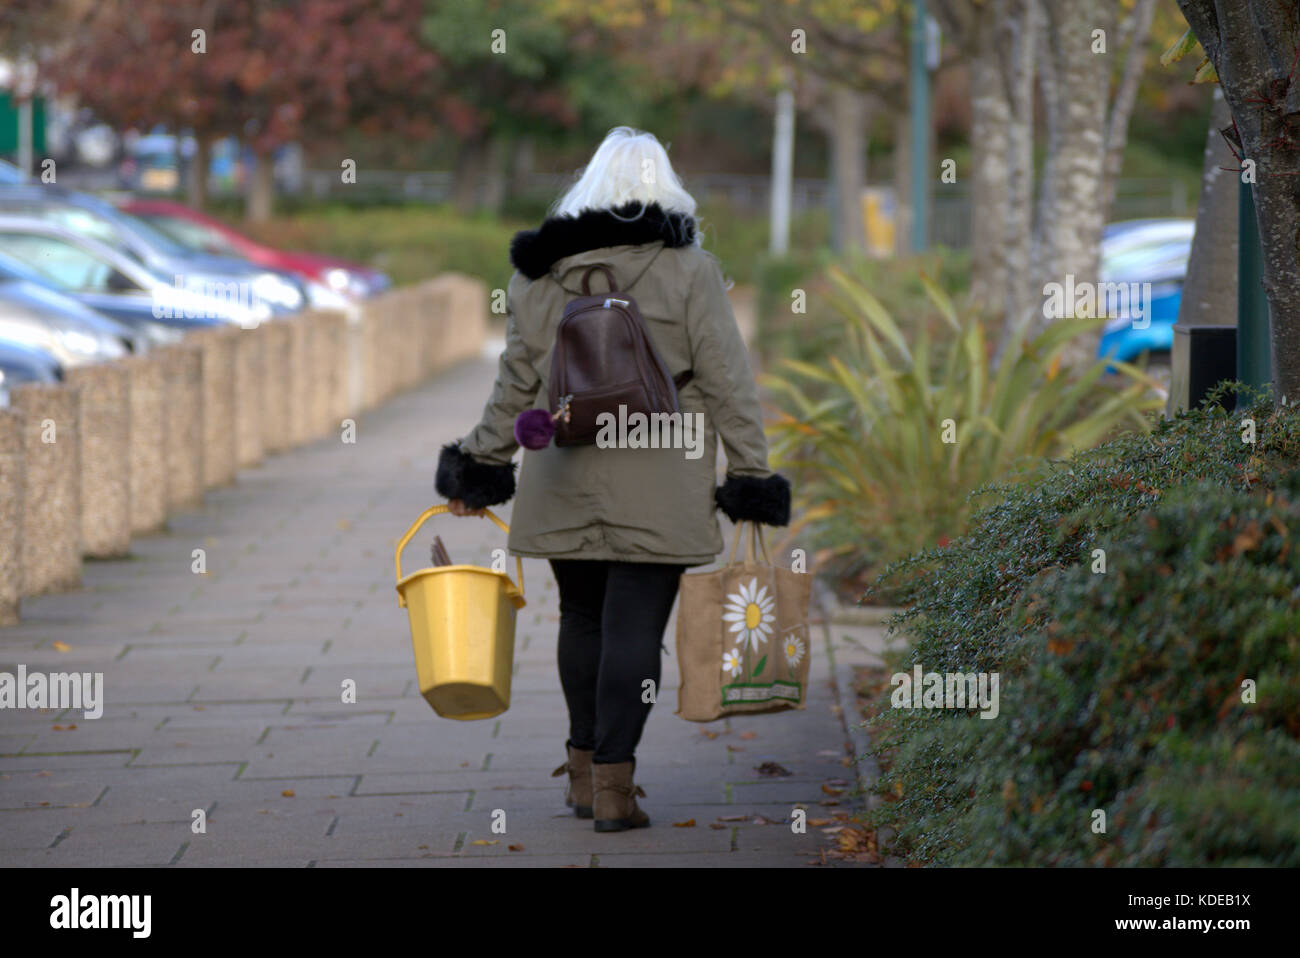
{"type": "Point", "coordinates": [458, 508]}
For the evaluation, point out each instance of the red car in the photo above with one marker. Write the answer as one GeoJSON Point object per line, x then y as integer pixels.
{"type": "Point", "coordinates": [199, 231]}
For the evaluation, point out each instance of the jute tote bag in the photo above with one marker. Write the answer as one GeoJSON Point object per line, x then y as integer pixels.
{"type": "Point", "coordinates": [742, 637]}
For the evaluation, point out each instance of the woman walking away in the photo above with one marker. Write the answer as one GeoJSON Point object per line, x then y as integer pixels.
{"type": "Point", "coordinates": [619, 522]}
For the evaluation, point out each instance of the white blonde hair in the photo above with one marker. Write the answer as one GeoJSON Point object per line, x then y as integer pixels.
{"type": "Point", "coordinates": [629, 166]}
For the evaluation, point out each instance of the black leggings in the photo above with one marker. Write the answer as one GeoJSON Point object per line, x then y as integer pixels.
{"type": "Point", "coordinates": [612, 620]}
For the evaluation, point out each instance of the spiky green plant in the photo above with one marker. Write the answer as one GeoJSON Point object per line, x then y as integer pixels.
{"type": "Point", "coordinates": [889, 437]}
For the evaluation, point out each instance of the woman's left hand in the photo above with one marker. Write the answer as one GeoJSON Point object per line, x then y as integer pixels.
{"type": "Point", "coordinates": [458, 508]}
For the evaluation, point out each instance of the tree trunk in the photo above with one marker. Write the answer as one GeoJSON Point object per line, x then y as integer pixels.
{"type": "Point", "coordinates": [990, 170]}
{"type": "Point", "coordinates": [260, 202]}
{"type": "Point", "coordinates": [1210, 290]}
{"type": "Point", "coordinates": [902, 184]}
{"type": "Point", "coordinates": [1071, 215]}
{"type": "Point", "coordinates": [1138, 30]}
{"type": "Point", "coordinates": [467, 180]}
{"type": "Point", "coordinates": [1251, 44]}
{"type": "Point", "coordinates": [522, 163]}
{"type": "Point", "coordinates": [198, 185]}
{"type": "Point", "coordinates": [1019, 25]}
{"type": "Point", "coordinates": [848, 167]}
{"type": "Point", "coordinates": [494, 175]}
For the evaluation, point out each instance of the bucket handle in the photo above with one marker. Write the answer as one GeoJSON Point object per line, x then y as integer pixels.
{"type": "Point", "coordinates": [439, 510]}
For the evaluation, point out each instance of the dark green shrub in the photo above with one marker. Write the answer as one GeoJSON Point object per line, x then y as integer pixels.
{"type": "Point", "coordinates": [1119, 691]}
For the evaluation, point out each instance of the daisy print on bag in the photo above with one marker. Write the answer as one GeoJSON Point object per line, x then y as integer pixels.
{"type": "Point", "coordinates": [794, 649]}
{"type": "Point", "coordinates": [750, 613]}
{"type": "Point", "coordinates": [731, 662]}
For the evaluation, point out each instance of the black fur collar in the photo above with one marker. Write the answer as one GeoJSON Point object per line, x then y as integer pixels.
{"type": "Point", "coordinates": [533, 252]}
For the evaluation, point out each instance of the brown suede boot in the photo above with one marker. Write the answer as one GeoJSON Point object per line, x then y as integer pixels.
{"type": "Point", "coordinates": [615, 798]}
{"type": "Point", "coordinates": [578, 795]}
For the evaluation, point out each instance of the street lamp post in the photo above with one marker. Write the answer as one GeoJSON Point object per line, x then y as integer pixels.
{"type": "Point", "coordinates": [920, 111]}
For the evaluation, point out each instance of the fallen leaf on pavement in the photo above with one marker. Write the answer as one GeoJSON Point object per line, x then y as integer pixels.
{"type": "Point", "coordinates": [287, 793]}
{"type": "Point", "coordinates": [515, 848]}
{"type": "Point", "coordinates": [748, 735]}
{"type": "Point", "coordinates": [819, 822]}
{"type": "Point", "coordinates": [709, 735]}
{"type": "Point", "coordinates": [689, 823]}
{"type": "Point", "coordinates": [61, 646]}
{"type": "Point", "coordinates": [484, 841]}
{"type": "Point", "coordinates": [832, 791]}
{"type": "Point", "coordinates": [771, 768]}
{"type": "Point", "coordinates": [732, 818]}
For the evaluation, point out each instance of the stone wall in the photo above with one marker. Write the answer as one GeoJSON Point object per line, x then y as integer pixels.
{"type": "Point", "coordinates": [110, 452]}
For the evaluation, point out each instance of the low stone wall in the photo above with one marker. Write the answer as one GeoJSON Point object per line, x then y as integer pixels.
{"type": "Point", "coordinates": [105, 459]}
{"type": "Point", "coordinates": [12, 472]}
{"type": "Point", "coordinates": [51, 514]}
{"type": "Point", "coordinates": [110, 452]}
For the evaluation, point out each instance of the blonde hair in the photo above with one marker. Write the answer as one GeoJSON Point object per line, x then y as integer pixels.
{"type": "Point", "coordinates": [629, 166]}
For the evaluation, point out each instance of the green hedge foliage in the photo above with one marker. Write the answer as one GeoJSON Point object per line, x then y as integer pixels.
{"type": "Point", "coordinates": [1120, 691]}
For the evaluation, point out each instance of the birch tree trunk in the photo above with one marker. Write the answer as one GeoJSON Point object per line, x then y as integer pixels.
{"type": "Point", "coordinates": [1071, 215]}
{"type": "Point", "coordinates": [1018, 27]}
{"type": "Point", "coordinates": [990, 170]}
{"type": "Point", "coordinates": [1133, 41]}
{"type": "Point", "coordinates": [848, 166]}
{"type": "Point", "coordinates": [1253, 44]}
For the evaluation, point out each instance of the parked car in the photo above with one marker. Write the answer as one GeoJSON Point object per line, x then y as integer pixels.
{"type": "Point", "coordinates": [40, 297]}
{"type": "Point", "coordinates": [113, 283]}
{"type": "Point", "coordinates": [143, 331]}
{"type": "Point", "coordinates": [68, 340]}
{"type": "Point", "coordinates": [1142, 252]}
{"type": "Point", "coordinates": [152, 248]}
{"type": "Point", "coordinates": [205, 233]}
{"type": "Point", "coordinates": [21, 364]}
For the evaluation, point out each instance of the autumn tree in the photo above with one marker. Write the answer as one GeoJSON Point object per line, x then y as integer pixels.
{"type": "Point", "coordinates": [267, 73]}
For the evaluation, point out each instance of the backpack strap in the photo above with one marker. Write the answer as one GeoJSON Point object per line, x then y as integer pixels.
{"type": "Point", "coordinates": [586, 279]}
{"type": "Point", "coordinates": [609, 277]}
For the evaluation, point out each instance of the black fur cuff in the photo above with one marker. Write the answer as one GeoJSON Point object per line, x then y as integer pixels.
{"type": "Point", "coordinates": [477, 484]}
{"type": "Point", "coordinates": [764, 500]}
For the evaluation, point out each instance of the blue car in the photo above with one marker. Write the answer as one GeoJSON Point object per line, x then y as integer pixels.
{"type": "Point", "coordinates": [1147, 259]}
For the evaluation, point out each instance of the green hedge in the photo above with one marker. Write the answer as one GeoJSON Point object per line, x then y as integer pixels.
{"type": "Point", "coordinates": [1119, 691]}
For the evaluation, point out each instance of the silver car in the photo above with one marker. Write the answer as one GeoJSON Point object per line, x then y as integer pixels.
{"type": "Point", "coordinates": [111, 282]}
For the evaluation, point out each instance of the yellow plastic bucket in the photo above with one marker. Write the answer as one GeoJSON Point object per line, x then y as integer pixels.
{"type": "Point", "coordinates": [462, 630]}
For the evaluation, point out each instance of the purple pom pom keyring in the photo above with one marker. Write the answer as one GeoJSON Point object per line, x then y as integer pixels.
{"type": "Point", "coordinates": [534, 428]}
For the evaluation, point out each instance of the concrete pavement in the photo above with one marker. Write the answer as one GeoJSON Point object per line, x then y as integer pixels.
{"type": "Point", "coordinates": [223, 696]}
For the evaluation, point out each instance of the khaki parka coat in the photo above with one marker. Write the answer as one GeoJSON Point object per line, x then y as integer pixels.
{"type": "Point", "coordinates": [622, 503]}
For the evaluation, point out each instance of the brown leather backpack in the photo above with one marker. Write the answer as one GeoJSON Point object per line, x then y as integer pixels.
{"type": "Point", "coordinates": [603, 358]}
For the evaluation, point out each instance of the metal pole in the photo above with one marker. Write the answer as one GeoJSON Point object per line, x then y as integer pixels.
{"type": "Point", "coordinates": [25, 136]}
{"type": "Point", "coordinates": [920, 111]}
{"type": "Point", "coordinates": [1254, 360]}
{"type": "Point", "coordinates": [782, 172]}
